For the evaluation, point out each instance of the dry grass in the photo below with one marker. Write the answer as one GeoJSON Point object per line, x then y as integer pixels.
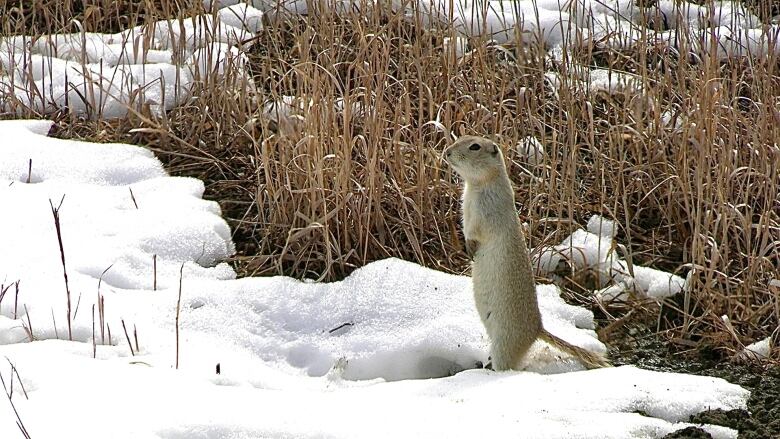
{"type": "Point", "coordinates": [351, 186]}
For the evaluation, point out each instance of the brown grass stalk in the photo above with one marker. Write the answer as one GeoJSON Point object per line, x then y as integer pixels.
{"type": "Point", "coordinates": [127, 337]}
{"type": "Point", "coordinates": [101, 303]}
{"type": "Point", "coordinates": [3, 289]}
{"type": "Point", "coordinates": [55, 211]}
{"type": "Point", "coordinates": [178, 310]}
{"type": "Point", "coordinates": [94, 341]}
{"type": "Point", "coordinates": [9, 394]}
{"type": "Point", "coordinates": [28, 328]}
{"type": "Point", "coordinates": [16, 298]}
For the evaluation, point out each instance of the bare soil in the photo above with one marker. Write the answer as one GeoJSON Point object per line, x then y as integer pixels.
{"type": "Point", "coordinates": [639, 345]}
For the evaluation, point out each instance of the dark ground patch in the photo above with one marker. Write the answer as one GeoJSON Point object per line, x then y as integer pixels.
{"type": "Point", "coordinates": [638, 345]}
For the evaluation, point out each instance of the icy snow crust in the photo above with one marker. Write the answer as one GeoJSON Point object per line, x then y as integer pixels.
{"type": "Point", "coordinates": [297, 359]}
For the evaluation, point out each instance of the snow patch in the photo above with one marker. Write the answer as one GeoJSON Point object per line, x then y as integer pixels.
{"type": "Point", "coordinates": [595, 250]}
{"type": "Point", "coordinates": [107, 75]}
{"type": "Point", "coordinates": [757, 350]}
{"type": "Point", "coordinates": [313, 359]}
{"type": "Point", "coordinates": [531, 150]}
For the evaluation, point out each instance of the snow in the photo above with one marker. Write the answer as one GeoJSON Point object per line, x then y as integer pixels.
{"type": "Point", "coordinates": [188, 406]}
{"type": "Point", "coordinates": [620, 24]}
{"type": "Point", "coordinates": [287, 113]}
{"type": "Point", "coordinates": [107, 75]}
{"type": "Point", "coordinates": [156, 65]}
{"type": "Point", "coordinates": [600, 79]}
{"type": "Point", "coordinates": [390, 351]}
{"type": "Point", "coordinates": [531, 150]}
{"type": "Point", "coordinates": [594, 249]}
{"type": "Point", "coordinates": [757, 350]}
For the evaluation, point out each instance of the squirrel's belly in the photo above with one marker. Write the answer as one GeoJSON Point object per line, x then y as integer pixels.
{"type": "Point", "coordinates": [489, 282]}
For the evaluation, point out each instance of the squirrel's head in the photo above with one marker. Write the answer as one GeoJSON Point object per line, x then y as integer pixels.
{"type": "Point", "coordinates": [475, 158]}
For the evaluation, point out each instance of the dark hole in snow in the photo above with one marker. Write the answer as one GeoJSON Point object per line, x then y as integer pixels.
{"type": "Point", "coordinates": [437, 367]}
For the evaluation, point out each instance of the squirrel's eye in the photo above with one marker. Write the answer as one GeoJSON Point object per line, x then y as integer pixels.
{"type": "Point", "coordinates": [474, 147]}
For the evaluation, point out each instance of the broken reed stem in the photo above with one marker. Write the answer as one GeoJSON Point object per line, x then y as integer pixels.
{"type": "Point", "coordinates": [76, 310]}
{"type": "Point", "coordinates": [29, 323]}
{"type": "Point", "coordinates": [101, 307]}
{"type": "Point", "coordinates": [3, 290]}
{"type": "Point", "coordinates": [29, 171]}
{"type": "Point", "coordinates": [19, 423]}
{"type": "Point", "coordinates": [94, 342]}
{"type": "Point", "coordinates": [135, 336]}
{"type": "Point", "coordinates": [154, 272]}
{"type": "Point", "coordinates": [129, 344]}
{"type": "Point", "coordinates": [102, 317]}
{"type": "Point", "coordinates": [132, 197]}
{"type": "Point", "coordinates": [178, 309]}
{"type": "Point", "coordinates": [55, 211]}
{"type": "Point", "coordinates": [15, 371]}
{"type": "Point", "coordinates": [11, 387]}
{"type": "Point", "coordinates": [16, 299]}
{"type": "Point", "coordinates": [54, 322]}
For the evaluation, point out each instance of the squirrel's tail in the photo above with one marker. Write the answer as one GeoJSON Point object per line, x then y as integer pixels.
{"type": "Point", "coordinates": [589, 359]}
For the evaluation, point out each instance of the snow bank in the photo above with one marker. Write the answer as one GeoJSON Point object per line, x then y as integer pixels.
{"type": "Point", "coordinates": [296, 358]}
{"type": "Point", "coordinates": [103, 75]}
{"type": "Point", "coordinates": [127, 225]}
{"type": "Point", "coordinates": [391, 319]}
{"type": "Point", "coordinates": [595, 250]}
{"type": "Point", "coordinates": [135, 400]}
{"type": "Point", "coordinates": [122, 219]}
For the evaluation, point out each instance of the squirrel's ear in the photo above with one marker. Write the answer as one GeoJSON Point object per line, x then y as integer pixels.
{"type": "Point", "coordinates": [494, 148]}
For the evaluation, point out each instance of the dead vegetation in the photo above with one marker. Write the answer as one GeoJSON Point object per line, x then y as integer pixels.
{"type": "Point", "coordinates": [686, 162]}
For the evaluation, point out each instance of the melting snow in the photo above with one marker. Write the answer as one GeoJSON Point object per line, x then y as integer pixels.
{"type": "Point", "coordinates": [156, 65]}
{"type": "Point", "coordinates": [297, 359]}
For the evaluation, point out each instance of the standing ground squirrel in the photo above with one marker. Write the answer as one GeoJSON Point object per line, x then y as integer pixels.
{"type": "Point", "coordinates": [504, 288]}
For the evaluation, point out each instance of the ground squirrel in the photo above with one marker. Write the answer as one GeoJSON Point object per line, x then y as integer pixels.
{"type": "Point", "coordinates": [504, 288]}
